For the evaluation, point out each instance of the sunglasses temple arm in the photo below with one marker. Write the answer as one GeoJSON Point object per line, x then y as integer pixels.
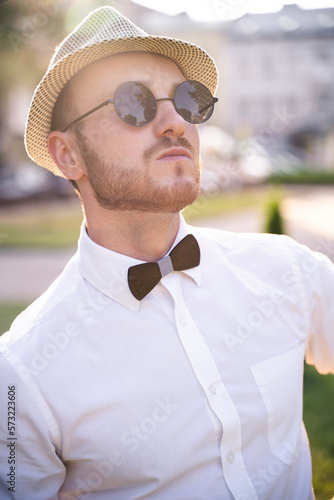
{"type": "Point", "coordinates": [105, 103]}
{"type": "Point", "coordinates": [212, 103]}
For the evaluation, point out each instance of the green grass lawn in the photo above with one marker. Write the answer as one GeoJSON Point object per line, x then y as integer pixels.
{"type": "Point", "coordinates": [210, 204]}
{"type": "Point", "coordinates": [58, 225]}
{"type": "Point", "coordinates": [318, 416]}
{"type": "Point", "coordinates": [319, 422]}
{"type": "Point", "coordinates": [40, 231]}
{"type": "Point", "coordinates": [310, 176]}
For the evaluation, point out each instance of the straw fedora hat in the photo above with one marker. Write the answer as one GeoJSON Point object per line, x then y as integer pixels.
{"type": "Point", "coordinates": [102, 33]}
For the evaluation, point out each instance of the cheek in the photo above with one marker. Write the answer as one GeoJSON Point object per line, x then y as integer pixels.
{"type": "Point", "coordinates": [193, 137]}
{"type": "Point", "coordinates": [118, 142]}
{"type": "Point", "coordinates": [103, 132]}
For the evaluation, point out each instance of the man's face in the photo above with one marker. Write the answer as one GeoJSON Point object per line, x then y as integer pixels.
{"type": "Point", "coordinates": [153, 168]}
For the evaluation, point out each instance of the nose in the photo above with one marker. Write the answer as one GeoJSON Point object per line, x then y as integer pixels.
{"type": "Point", "coordinates": [168, 122]}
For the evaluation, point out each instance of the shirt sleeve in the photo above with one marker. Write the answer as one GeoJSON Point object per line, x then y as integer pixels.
{"type": "Point", "coordinates": [316, 272]}
{"type": "Point", "coordinates": [29, 465]}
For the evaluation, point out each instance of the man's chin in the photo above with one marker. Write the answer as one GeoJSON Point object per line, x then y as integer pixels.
{"type": "Point", "coordinates": [157, 204]}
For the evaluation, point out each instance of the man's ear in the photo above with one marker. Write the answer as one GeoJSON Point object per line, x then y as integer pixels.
{"type": "Point", "coordinates": [65, 155]}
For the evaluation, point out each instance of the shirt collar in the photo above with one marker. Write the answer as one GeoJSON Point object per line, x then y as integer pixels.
{"type": "Point", "coordinates": [184, 229]}
{"type": "Point", "coordinates": [107, 271]}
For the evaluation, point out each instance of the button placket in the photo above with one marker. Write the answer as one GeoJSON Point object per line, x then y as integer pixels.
{"type": "Point", "coordinates": [205, 369]}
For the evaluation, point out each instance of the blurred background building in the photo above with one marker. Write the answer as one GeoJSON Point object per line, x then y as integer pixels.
{"type": "Point", "coordinates": [276, 92]}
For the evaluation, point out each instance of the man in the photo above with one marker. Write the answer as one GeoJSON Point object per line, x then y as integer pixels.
{"type": "Point", "coordinates": [176, 379]}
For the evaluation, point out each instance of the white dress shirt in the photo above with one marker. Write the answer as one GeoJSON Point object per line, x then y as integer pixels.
{"type": "Point", "coordinates": [193, 393]}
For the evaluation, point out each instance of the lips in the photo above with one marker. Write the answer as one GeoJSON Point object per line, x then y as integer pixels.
{"type": "Point", "coordinates": [174, 153]}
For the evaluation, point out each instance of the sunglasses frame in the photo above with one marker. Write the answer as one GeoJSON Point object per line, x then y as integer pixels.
{"type": "Point", "coordinates": [112, 101]}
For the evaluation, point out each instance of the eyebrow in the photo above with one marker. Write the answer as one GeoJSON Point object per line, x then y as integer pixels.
{"type": "Point", "coordinates": [148, 82]}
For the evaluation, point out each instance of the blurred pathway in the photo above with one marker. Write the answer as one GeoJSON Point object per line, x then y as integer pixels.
{"type": "Point", "coordinates": [309, 215]}
{"type": "Point", "coordinates": [25, 274]}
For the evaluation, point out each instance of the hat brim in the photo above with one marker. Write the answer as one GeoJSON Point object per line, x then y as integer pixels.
{"type": "Point", "coordinates": [193, 61]}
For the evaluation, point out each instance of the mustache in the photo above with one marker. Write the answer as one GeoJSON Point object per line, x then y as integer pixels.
{"type": "Point", "coordinates": [167, 143]}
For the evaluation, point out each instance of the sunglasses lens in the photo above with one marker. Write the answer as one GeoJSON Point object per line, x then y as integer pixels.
{"type": "Point", "coordinates": [193, 101]}
{"type": "Point", "coordinates": [135, 104]}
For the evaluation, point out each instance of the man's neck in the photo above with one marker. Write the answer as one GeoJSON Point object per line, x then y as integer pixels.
{"type": "Point", "coordinates": [143, 236]}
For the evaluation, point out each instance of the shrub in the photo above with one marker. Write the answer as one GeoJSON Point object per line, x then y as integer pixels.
{"type": "Point", "coordinates": [274, 223]}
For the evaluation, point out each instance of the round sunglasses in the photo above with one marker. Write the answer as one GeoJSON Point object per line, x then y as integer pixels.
{"type": "Point", "coordinates": [136, 105]}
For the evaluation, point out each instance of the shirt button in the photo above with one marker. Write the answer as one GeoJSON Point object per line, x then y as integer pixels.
{"type": "Point", "coordinates": [230, 457]}
{"type": "Point", "coordinates": [183, 321]}
{"type": "Point", "coordinates": [212, 389]}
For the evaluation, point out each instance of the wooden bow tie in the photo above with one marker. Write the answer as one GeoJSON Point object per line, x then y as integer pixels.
{"type": "Point", "coordinates": [144, 277]}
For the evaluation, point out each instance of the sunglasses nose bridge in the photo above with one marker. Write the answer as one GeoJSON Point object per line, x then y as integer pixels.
{"type": "Point", "coordinates": [166, 99]}
{"type": "Point", "coordinates": [169, 99]}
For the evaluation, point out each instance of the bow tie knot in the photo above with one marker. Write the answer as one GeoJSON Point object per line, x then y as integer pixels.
{"type": "Point", "coordinates": [142, 278]}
